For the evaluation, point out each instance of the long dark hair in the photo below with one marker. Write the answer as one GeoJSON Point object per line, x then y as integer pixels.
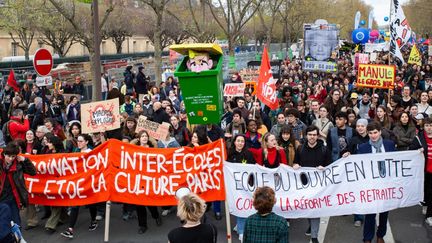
{"type": "Point", "coordinates": [289, 130]}
{"type": "Point", "coordinates": [232, 148]}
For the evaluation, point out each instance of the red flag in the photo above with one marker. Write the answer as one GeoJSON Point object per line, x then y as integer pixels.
{"type": "Point", "coordinates": [11, 81]}
{"type": "Point", "coordinates": [266, 90]}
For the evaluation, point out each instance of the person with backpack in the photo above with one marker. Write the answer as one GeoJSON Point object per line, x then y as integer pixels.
{"type": "Point", "coordinates": [312, 154]}
{"type": "Point", "coordinates": [16, 127]}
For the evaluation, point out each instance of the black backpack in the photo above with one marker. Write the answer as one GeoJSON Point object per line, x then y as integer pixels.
{"type": "Point", "coordinates": [6, 132]}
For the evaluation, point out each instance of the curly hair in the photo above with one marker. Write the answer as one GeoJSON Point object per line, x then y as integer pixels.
{"type": "Point", "coordinates": [264, 199]}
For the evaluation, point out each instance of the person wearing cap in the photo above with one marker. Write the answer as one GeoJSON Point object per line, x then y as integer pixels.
{"type": "Point", "coordinates": [340, 136]}
{"type": "Point", "coordinates": [352, 103]}
{"type": "Point", "coordinates": [147, 107]}
{"type": "Point", "coordinates": [361, 136]}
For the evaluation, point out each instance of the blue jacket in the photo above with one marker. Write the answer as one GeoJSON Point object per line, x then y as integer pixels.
{"type": "Point", "coordinates": [366, 148]}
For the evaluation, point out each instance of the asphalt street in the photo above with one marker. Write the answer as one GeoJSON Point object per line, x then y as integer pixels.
{"type": "Point", "coordinates": [406, 226]}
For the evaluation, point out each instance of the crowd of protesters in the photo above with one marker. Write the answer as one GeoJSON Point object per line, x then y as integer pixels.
{"type": "Point", "coordinates": [320, 115]}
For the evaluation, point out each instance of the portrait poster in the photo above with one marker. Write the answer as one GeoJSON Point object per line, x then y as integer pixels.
{"type": "Point", "coordinates": [100, 116]}
{"type": "Point", "coordinates": [320, 47]}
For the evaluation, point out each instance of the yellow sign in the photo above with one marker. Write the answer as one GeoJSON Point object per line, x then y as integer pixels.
{"type": "Point", "coordinates": [376, 76]}
{"type": "Point", "coordinates": [415, 57]}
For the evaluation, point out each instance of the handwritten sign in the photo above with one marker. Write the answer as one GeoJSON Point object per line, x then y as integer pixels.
{"type": "Point", "coordinates": [234, 90]}
{"type": "Point", "coordinates": [376, 76]}
{"type": "Point", "coordinates": [155, 130]}
{"type": "Point", "coordinates": [100, 116]}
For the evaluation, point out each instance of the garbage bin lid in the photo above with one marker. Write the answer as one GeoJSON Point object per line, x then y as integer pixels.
{"type": "Point", "coordinates": [199, 47]}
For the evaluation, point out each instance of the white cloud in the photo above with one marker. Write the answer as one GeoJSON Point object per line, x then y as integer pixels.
{"type": "Point", "coordinates": [381, 9]}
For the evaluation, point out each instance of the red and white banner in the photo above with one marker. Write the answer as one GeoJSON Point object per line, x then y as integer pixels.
{"type": "Point", "coordinates": [234, 90]}
{"type": "Point", "coordinates": [358, 184]}
{"type": "Point", "coordinates": [266, 90]}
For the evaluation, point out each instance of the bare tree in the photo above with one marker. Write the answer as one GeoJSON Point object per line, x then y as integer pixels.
{"type": "Point", "coordinates": [270, 9]}
{"type": "Point", "coordinates": [78, 16]}
{"type": "Point", "coordinates": [231, 16]}
{"type": "Point", "coordinates": [19, 18]}
{"type": "Point", "coordinates": [159, 10]}
{"type": "Point", "coordinates": [119, 27]}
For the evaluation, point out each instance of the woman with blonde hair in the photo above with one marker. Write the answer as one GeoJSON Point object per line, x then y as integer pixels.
{"type": "Point", "coordinates": [270, 155]}
{"type": "Point", "coordinates": [190, 210]}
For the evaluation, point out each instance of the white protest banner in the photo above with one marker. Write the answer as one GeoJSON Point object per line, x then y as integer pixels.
{"type": "Point", "coordinates": [358, 184]}
{"type": "Point", "coordinates": [234, 90]}
{"type": "Point", "coordinates": [373, 56]}
{"type": "Point", "coordinates": [155, 130]}
{"type": "Point", "coordinates": [100, 116]}
{"type": "Point", "coordinates": [371, 47]}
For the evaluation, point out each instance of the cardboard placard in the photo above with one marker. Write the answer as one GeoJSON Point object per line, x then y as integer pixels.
{"type": "Point", "coordinates": [155, 130]}
{"type": "Point", "coordinates": [100, 116]}
{"type": "Point", "coordinates": [376, 76]}
{"type": "Point", "coordinates": [234, 90]}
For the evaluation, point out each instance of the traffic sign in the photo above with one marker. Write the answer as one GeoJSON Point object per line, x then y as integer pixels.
{"type": "Point", "coordinates": [44, 81]}
{"type": "Point", "coordinates": [43, 62]}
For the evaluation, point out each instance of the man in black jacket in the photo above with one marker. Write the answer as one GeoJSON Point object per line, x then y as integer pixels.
{"type": "Point", "coordinates": [159, 114]}
{"type": "Point", "coordinates": [13, 191]}
{"type": "Point", "coordinates": [312, 154]}
{"type": "Point", "coordinates": [141, 85]}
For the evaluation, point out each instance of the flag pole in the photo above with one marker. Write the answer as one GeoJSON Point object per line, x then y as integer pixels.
{"type": "Point", "coordinates": [227, 212]}
{"type": "Point", "coordinates": [107, 220]}
{"type": "Point", "coordinates": [389, 55]}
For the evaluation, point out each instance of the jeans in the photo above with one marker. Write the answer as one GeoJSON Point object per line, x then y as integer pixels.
{"type": "Point", "coordinates": [240, 225]}
{"type": "Point", "coordinates": [104, 95]}
{"type": "Point", "coordinates": [358, 217]}
{"type": "Point", "coordinates": [369, 226]}
{"type": "Point", "coordinates": [15, 213]}
{"type": "Point", "coordinates": [217, 206]}
{"type": "Point", "coordinates": [314, 224]}
{"type": "Point", "coordinates": [75, 211]}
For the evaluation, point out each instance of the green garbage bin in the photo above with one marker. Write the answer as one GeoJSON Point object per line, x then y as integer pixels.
{"type": "Point", "coordinates": [202, 92]}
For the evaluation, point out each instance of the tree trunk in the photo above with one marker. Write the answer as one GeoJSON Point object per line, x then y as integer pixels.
{"type": "Point", "coordinates": [157, 37]}
{"type": "Point", "coordinates": [27, 54]}
{"type": "Point", "coordinates": [119, 45]}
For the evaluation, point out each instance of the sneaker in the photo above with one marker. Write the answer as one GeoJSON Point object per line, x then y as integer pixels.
{"type": "Point", "coordinates": [235, 228]}
{"type": "Point", "coordinates": [314, 240]}
{"type": "Point", "coordinates": [308, 231]}
{"type": "Point", "coordinates": [429, 221]}
{"type": "Point", "coordinates": [68, 233]}
{"type": "Point", "coordinates": [424, 210]}
{"type": "Point", "coordinates": [165, 212]}
{"type": "Point", "coordinates": [99, 217]}
{"type": "Point", "coordinates": [142, 230]}
{"type": "Point", "coordinates": [357, 223]}
{"type": "Point", "coordinates": [93, 225]}
{"type": "Point", "coordinates": [126, 216]}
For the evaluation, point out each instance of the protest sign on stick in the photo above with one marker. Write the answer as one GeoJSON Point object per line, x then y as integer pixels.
{"type": "Point", "coordinates": [100, 116]}
{"type": "Point", "coordinates": [376, 76]}
{"type": "Point", "coordinates": [234, 90]}
{"type": "Point", "coordinates": [155, 130]}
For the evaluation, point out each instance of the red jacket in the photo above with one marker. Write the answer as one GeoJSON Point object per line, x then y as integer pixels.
{"type": "Point", "coordinates": [18, 129]}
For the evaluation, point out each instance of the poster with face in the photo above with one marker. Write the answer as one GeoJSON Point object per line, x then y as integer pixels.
{"type": "Point", "coordinates": [320, 47]}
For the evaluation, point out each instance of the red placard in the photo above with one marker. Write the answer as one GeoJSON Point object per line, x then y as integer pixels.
{"type": "Point", "coordinates": [43, 62]}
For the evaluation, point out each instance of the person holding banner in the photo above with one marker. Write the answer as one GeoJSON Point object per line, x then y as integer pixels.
{"type": "Point", "coordinates": [269, 155]}
{"type": "Point", "coordinates": [145, 142]}
{"type": "Point", "coordinates": [265, 226]}
{"type": "Point", "coordinates": [376, 144]}
{"type": "Point", "coordinates": [312, 154]}
{"type": "Point", "coordinates": [238, 153]}
{"type": "Point", "coordinates": [85, 142]}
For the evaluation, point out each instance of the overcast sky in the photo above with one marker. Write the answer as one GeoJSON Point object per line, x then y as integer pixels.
{"type": "Point", "coordinates": [381, 9]}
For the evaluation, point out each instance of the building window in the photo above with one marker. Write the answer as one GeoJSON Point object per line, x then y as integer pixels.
{"type": "Point", "coordinates": [147, 45]}
{"type": "Point", "coordinates": [14, 49]}
{"type": "Point", "coordinates": [134, 49]}
{"type": "Point", "coordinates": [103, 47]}
{"type": "Point", "coordinates": [40, 44]}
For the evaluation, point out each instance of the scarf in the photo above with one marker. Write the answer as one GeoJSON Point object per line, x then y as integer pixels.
{"type": "Point", "coordinates": [377, 145]}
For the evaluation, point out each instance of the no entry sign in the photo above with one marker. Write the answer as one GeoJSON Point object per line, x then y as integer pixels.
{"type": "Point", "coordinates": [43, 62]}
